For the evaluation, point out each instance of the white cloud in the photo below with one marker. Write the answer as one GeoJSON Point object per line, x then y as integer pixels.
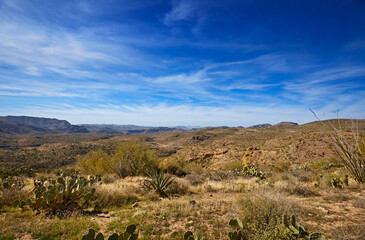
{"type": "Point", "coordinates": [181, 10]}
{"type": "Point", "coordinates": [174, 115]}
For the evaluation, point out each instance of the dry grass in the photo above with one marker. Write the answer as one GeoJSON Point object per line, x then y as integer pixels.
{"type": "Point", "coordinates": [359, 203]}
{"type": "Point", "coordinates": [350, 232]}
{"type": "Point", "coordinates": [296, 188]}
{"type": "Point", "coordinates": [237, 185]}
{"type": "Point", "coordinates": [118, 193]}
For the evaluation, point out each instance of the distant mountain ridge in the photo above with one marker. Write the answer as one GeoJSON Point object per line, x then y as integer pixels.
{"type": "Point", "coordinates": [36, 125]}
{"type": "Point", "coordinates": [7, 127]}
{"type": "Point", "coordinates": [285, 124]}
{"type": "Point", "coordinates": [263, 125]}
{"type": "Point", "coordinates": [41, 126]}
{"type": "Point", "coordinates": [131, 129]}
{"type": "Point", "coordinates": [134, 129]}
{"type": "Point", "coordinates": [278, 125]}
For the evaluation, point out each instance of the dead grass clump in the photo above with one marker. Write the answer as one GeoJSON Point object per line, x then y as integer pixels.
{"type": "Point", "coordinates": [296, 188]}
{"type": "Point", "coordinates": [233, 166]}
{"type": "Point", "coordinates": [235, 185]}
{"type": "Point", "coordinates": [107, 199]}
{"type": "Point", "coordinates": [177, 187]}
{"type": "Point", "coordinates": [282, 167]}
{"type": "Point", "coordinates": [350, 232]}
{"type": "Point", "coordinates": [195, 179]}
{"type": "Point", "coordinates": [359, 203]}
{"type": "Point", "coordinates": [337, 197]}
{"type": "Point", "coordinates": [109, 178]}
{"type": "Point", "coordinates": [117, 194]}
{"type": "Point", "coordinates": [325, 164]}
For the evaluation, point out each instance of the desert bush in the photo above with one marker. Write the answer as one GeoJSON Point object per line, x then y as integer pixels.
{"type": "Point", "coordinates": [258, 215]}
{"type": "Point", "coordinates": [175, 165]}
{"type": "Point", "coordinates": [196, 179]}
{"type": "Point", "coordinates": [109, 178]}
{"type": "Point", "coordinates": [94, 162]}
{"type": "Point", "coordinates": [335, 180]}
{"type": "Point", "coordinates": [133, 158]}
{"type": "Point", "coordinates": [300, 190]}
{"type": "Point", "coordinates": [62, 196]}
{"type": "Point", "coordinates": [281, 167]}
{"type": "Point", "coordinates": [296, 188]}
{"type": "Point", "coordinates": [8, 197]}
{"type": "Point", "coordinates": [16, 172]}
{"type": "Point", "coordinates": [350, 232]}
{"type": "Point", "coordinates": [359, 203]}
{"type": "Point", "coordinates": [177, 187]}
{"type": "Point", "coordinates": [233, 166]}
{"type": "Point", "coordinates": [11, 190]}
{"type": "Point", "coordinates": [267, 217]}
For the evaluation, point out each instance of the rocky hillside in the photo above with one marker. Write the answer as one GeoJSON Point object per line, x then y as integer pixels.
{"type": "Point", "coordinates": [17, 128]}
{"type": "Point", "coordinates": [35, 125]}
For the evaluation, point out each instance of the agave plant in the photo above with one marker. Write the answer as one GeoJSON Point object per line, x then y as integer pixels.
{"type": "Point", "coordinates": [159, 181]}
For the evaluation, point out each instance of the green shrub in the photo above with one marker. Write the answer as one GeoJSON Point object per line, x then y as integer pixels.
{"type": "Point", "coordinates": [94, 162]}
{"type": "Point", "coordinates": [16, 172]}
{"type": "Point", "coordinates": [131, 158]}
{"type": "Point", "coordinates": [253, 172]}
{"type": "Point", "coordinates": [11, 190]}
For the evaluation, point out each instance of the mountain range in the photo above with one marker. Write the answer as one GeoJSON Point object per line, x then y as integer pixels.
{"type": "Point", "coordinates": [37, 126]}
{"type": "Point", "coordinates": [41, 126]}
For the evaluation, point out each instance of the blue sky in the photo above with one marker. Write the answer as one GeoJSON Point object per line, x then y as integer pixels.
{"type": "Point", "coordinates": [182, 62]}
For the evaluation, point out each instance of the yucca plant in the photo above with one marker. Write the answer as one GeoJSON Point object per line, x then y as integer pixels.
{"type": "Point", "coordinates": [159, 181]}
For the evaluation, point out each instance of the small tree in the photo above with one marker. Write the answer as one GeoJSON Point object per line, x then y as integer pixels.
{"type": "Point", "coordinates": [94, 162]}
{"type": "Point", "coordinates": [132, 158]}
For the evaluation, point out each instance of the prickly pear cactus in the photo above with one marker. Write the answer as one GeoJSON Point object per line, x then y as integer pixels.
{"type": "Point", "coordinates": [239, 233]}
{"type": "Point", "coordinates": [290, 230]}
{"type": "Point", "coordinates": [91, 235]}
{"type": "Point", "coordinates": [190, 236]}
{"type": "Point", "coordinates": [63, 195]}
{"type": "Point", "coordinates": [317, 236]}
{"type": "Point", "coordinates": [129, 234]}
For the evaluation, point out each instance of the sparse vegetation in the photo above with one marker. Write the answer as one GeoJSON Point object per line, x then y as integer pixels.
{"type": "Point", "coordinates": [213, 183]}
